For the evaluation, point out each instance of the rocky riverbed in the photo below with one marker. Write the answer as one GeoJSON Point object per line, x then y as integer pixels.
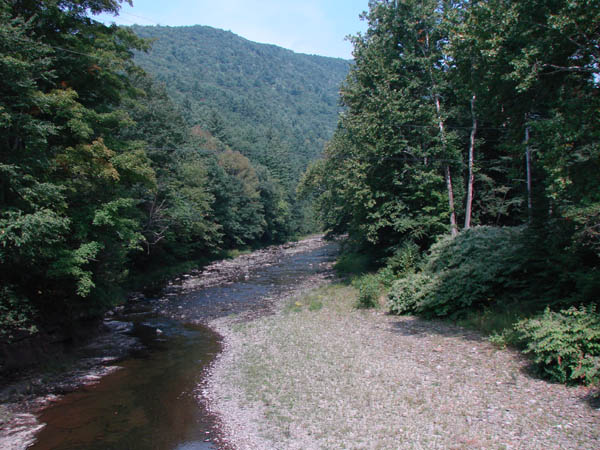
{"type": "Point", "coordinates": [125, 329]}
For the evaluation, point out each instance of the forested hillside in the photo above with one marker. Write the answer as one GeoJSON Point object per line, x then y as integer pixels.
{"type": "Point", "coordinates": [275, 106]}
{"type": "Point", "coordinates": [463, 114]}
{"type": "Point", "coordinates": [105, 184]}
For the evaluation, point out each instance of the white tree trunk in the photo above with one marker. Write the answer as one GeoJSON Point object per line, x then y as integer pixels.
{"type": "Point", "coordinates": [469, 206]}
{"type": "Point", "coordinates": [448, 176]}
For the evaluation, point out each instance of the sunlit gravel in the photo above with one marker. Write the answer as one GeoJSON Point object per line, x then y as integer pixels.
{"type": "Point", "coordinates": [321, 375]}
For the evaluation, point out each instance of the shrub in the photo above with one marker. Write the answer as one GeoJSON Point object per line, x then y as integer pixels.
{"type": "Point", "coordinates": [406, 293]}
{"type": "Point", "coordinates": [473, 269]}
{"type": "Point", "coordinates": [369, 290]}
{"type": "Point", "coordinates": [16, 313]}
{"type": "Point", "coordinates": [352, 264]}
{"type": "Point", "coordinates": [565, 345]}
{"type": "Point", "coordinates": [386, 277]}
{"type": "Point", "coordinates": [405, 259]}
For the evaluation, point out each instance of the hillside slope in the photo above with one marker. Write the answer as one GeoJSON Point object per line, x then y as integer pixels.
{"type": "Point", "coordinates": [275, 106]}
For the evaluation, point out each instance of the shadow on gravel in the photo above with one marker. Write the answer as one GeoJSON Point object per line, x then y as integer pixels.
{"type": "Point", "coordinates": [592, 397]}
{"type": "Point", "coordinates": [421, 328]}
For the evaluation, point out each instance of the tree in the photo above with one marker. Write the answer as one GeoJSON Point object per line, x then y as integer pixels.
{"type": "Point", "coordinates": [390, 162]}
{"type": "Point", "coordinates": [68, 220]}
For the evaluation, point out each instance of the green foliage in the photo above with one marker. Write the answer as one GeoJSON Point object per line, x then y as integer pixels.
{"type": "Point", "coordinates": [405, 259]}
{"type": "Point", "coordinates": [274, 106]}
{"type": "Point", "coordinates": [565, 345]}
{"type": "Point", "coordinates": [489, 268]}
{"type": "Point", "coordinates": [64, 229]}
{"type": "Point", "coordinates": [352, 263]}
{"type": "Point", "coordinates": [407, 292]}
{"type": "Point", "coordinates": [71, 263]}
{"type": "Point", "coordinates": [101, 178]}
{"type": "Point", "coordinates": [383, 177]}
{"type": "Point", "coordinates": [99, 173]}
{"type": "Point", "coordinates": [439, 88]}
{"type": "Point", "coordinates": [315, 305]}
{"type": "Point", "coordinates": [278, 111]}
{"type": "Point", "coordinates": [386, 277]}
{"type": "Point", "coordinates": [15, 313]}
{"type": "Point", "coordinates": [473, 270]}
{"type": "Point", "coordinates": [188, 219]}
{"type": "Point", "coordinates": [30, 235]}
{"type": "Point", "coordinates": [410, 114]}
{"type": "Point", "coordinates": [492, 279]}
{"type": "Point", "coordinates": [369, 290]}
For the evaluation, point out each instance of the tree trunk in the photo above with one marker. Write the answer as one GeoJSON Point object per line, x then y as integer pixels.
{"type": "Point", "coordinates": [471, 179]}
{"type": "Point", "coordinates": [453, 226]}
{"type": "Point", "coordinates": [528, 169]}
{"type": "Point", "coordinates": [448, 176]}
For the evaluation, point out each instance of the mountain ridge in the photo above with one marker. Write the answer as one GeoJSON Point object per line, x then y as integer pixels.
{"type": "Point", "coordinates": [260, 99]}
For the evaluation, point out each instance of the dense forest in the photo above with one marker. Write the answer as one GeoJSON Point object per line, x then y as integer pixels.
{"type": "Point", "coordinates": [107, 183]}
{"type": "Point", "coordinates": [464, 166]}
{"type": "Point", "coordinates": [275, 106]}
{"type": "Point", "coordinates": [467, 162]}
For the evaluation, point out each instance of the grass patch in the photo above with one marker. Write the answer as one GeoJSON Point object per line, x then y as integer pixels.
{"type": "Point", "coordinates": [495, 323]}
{"type": "Point", "coordinates": [294, 306]}
{"type": "Point", "coordinates": [336, 296]}
{"type": "Point", "coordinates": [315, 305]}
{"type": "Point", "coordinates": [497, 326]}
{"type": "Point", "coordinates": [234, 253]}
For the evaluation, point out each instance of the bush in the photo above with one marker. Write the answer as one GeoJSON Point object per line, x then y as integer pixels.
{"type": "Point", "coordinates": [352, 264]}
{"type": "Point", "coordinates": [565, 345]}
{"type": "Point", "coordinates": [16, 313]}
{"type": "Point", "coordinates": [473, 270]}
{"type": "Point", "coordinates": [386, 277]}
{"type": "Point", "coordinates": [405, 259]}
{"type": "Point", "coordinates": [369, 289]}
{"type": "Point", "coordinates": [406, 293]}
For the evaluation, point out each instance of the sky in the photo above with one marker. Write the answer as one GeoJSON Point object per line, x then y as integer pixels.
{"type": "Point", "coordinates": [306, 26]}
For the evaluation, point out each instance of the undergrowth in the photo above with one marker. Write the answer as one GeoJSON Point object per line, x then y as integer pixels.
{"type": "Point", "coordinates": [352, 264]}
{"type": "Point", "coordinates": [493, 280]}
{"type": "Point", "coordinates": [564, 345]}
{"type": "Point", "coordinates": [369, 290]}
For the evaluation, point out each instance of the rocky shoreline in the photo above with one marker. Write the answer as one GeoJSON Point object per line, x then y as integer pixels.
{"type": "Point", "coordinates": [237, 426]}
{"type": "Point", "coordinates": [321, 374]}
{"type": "Point", "coordinates": [23, 398]}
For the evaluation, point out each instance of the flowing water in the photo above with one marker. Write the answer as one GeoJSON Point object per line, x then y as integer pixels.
{"type": "Point", "coordinates": [152, 402]}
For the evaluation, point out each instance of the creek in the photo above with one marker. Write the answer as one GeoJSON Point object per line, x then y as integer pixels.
{"type": "Point", "coordinates": [154, 400]}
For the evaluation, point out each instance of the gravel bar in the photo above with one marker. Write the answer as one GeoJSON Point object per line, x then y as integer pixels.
{"type": "Point", "coordinates": [319, 374]}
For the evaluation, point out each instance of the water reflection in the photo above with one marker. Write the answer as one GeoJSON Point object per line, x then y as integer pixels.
{"type": "Point", "coordinates": [151, 403]}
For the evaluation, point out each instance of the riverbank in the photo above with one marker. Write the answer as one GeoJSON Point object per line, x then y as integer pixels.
{"type": "Point", "coordinates": [129, 328]}
{"type": "Point", "coordinates": [321, 374]}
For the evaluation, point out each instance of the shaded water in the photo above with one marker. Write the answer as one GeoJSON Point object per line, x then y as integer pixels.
{"type": "Point", "coordinates": [151, 403]}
